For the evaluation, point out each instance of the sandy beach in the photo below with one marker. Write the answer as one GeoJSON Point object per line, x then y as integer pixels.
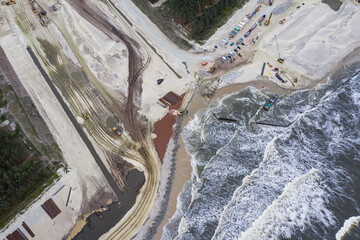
{"type": "Point", "coordinates": [183, 159]}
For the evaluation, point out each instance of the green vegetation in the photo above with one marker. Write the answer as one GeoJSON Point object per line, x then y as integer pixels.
{"type": "Point", "coordinates": [20, 172]}
{"type": "Point", "coordinates": [3, 101]}
{"type": "Point", "coordinates": [203, 17]}
{"type": "Point", "coordinates": [29, 155]}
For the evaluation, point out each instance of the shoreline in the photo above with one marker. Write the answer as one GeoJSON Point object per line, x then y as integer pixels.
{"type": "Point", "coordinates": [183, 168]}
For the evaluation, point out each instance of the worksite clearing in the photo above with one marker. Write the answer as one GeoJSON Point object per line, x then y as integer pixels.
{"type": "Point", "coordinates": [107, 72]}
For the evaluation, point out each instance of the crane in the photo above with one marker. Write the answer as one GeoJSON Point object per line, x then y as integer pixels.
{"type": "Point", "coordinates": [280, 60]}
{"type": "Point", "coordinates": [268, 21]}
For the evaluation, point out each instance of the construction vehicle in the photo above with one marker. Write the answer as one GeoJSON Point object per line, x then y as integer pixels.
{"type": "Point", "coordinates": [84, 114]}
{"type": "Point", "coordinates": [258, 8]}
{"type": "Point", "coordinates": [33, 9]}
{"type": "Point", "coordinates": [212, 69]}
{"type": "Point", "coordinates": [31, 3]}
{"type": "Point", "coordinates": [239, 54]}
{"type": "Point", "coordinates": [283, 20]}
{"type": "Point", "coordinates": [204, 63]}
{"type": "Point", "coordinates": [280, 60]}
{"type": "Point", "coordinates": [270, 2]}
{"type": "Point", "coordinates": [5, 3]}
{"type": "Point", "coordinates": [43, 12]}
{"type": "Point", "coordinates": [271, 102]}
{"type": "Point", "coordinates": [13, 1]}
{"type": "Point", "coordinates": [277, 75]}
{"type": "Point", "coordinates": [268, 21]}
{"type": "Point", "coordinates": [233, 59]}
{"type": "Point", "coordinates": [117, 131]}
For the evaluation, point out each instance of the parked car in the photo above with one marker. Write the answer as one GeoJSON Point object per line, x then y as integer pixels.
{"type": "Point", "coordinates": [238, 47]}
{"type": "Point", "coordinates": [231, 44]}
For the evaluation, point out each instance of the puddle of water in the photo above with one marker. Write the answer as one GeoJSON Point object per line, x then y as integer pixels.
{"type": "Point", "coordinates": [98, 224]}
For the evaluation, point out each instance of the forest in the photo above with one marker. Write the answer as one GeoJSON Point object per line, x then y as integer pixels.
{"type": "Point", "coordinates": [201, 16]}
{"type": "Point", "coordinates": [19, 170]}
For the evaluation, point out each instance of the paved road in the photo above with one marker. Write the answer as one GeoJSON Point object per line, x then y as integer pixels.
{"type": "Point", "coordinates": [87, 142]}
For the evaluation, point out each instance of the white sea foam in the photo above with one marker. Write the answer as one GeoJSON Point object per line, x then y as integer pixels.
{"type": "Point", "coordinates": [302, 202]}
{"type": "Point", "coordinates": [348, 224]}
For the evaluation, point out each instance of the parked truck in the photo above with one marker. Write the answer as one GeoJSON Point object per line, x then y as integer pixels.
{"type": "Point", "coordinates": [262, 18]}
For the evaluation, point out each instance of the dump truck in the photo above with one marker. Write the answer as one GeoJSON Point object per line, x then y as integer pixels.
{"type": "Point", "coordinates": [117, 131]}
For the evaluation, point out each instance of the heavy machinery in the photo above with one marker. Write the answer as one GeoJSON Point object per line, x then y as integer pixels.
{"type": "Point", "coordinates": [233, 59]}
{"type": "Point", "coordinates": [33, 9]}
{"type": "Point", "coordinates": [117, 131]}
{"type": "Point", "coordinates": [5, 3]}
{"type": "Point", "coordinates": [212, 69]}
{"type": "Point", "coordinates": [283, 20]}
{"type": "Point", "coordinates": [268, 21]}
{"type": "Point", "coordinates": [270, 102]}
{"type": "Point", "coordinates": [84, 114]}
{"type": "Point", "coordinates": [258, 8]}
{"type": "Point", "coordinates": [280, 60]}
{"type": "Point", "coordinates": [13, 1]}
{"type": "Point", "coordinates": [31, 3]}
{"type": "Point", "coordinates": [204, 63]}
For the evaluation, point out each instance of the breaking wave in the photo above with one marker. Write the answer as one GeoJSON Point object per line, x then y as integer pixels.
{"type": "Point", "coordinates": [291, 172]}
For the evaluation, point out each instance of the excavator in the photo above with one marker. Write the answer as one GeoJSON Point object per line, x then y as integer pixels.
{"type": "Point", "coordinates": [283, 20]}
{"type": "Point", "coordinates": [85, 116]}
{"type": "Point", "coordinates": [280, 60]}
{"type": "Point", "coordinates": [268, 21]}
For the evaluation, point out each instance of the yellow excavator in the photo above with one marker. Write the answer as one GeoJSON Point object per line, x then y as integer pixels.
{"type": "Point", "coordinates": [268, 21]}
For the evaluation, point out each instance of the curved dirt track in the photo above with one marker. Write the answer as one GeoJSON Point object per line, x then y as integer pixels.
{"type": "Point", "coordinates": [139, 130]}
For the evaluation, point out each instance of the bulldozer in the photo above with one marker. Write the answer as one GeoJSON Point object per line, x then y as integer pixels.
{"type": "Point", "coordinates": [33, 9]}
{"type": "Point", "coordinates": [84, 114]}
{"type": "Point", "coordinates": [5, 3]}
{"type": "Point", "coordinates": [117, 131]}
{"type": "Point", "coordinates": [281, 60]}
{"type": "Point", "coordinates": [267, 22]}
{"type": "Point", "coordinates": [212, 69]}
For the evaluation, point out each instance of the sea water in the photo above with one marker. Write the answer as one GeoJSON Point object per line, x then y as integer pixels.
{"type": "Point", "coordinates": [289, 173]}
